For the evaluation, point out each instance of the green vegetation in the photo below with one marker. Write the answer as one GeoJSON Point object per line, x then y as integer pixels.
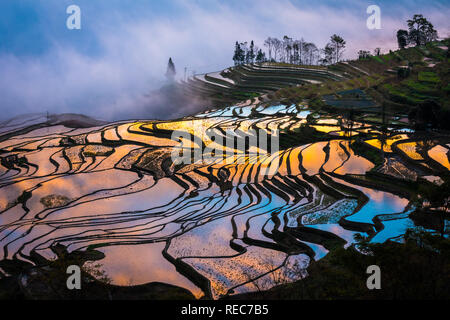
{"type": "Point", "coordinates": [428, 76]}
{"type": "Point", "coordinates": [377, 59]}
{"type": "Point", "coordinates": [289, 51]}
{"type": "Point", "coordinates": [397, 84]}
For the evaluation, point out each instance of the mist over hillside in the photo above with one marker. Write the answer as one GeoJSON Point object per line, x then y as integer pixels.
{"type": "Point", "coordinates": [110, 67]}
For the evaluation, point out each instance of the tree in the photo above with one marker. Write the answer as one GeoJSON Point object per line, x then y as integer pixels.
{"type": "Point", "coordinates": [237, 49]}
{"type": "Point", "coordinates": [438, 196]}
{"type": "Point", "coordinates": [301, 46]}
{"type": "Point", "coordinates": [260, 56]}
{"type": "Point", "coordinates": [239, 54]}
{"type": "Point", "coordinates": [244, 53]}
{"type": "Point", "coordinates": [363, 54]}
{"type": "Point", "coordinates": [286, 50]}
{"type": "Point", "coordinates": [250, 57]}
{"type": "Point", "coordinates": [337, 44]}
{"type": "Point", "coordinates": [277, 46]}
{"type": "Point", "coordinates": [287, 45]}
{"type": "Point", "coordinates": [402, 38]}
{"type": "Point", "coordinates": [421, 31]}
{"type": "Point", "coordinates": [296, 50]}
{"type": "Point", "coordinates": [269, 44]}
{"type": "Point", "coordinates": [171, 72]}
{"type": "Point", "coordinates": [310, 52]}
{"type": "Point", "coordinates": [328, 54]}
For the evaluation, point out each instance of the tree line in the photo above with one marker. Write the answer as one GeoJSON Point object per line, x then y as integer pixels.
{"type": "Point", "coordinates": [289, 50]}
{"type": "Point", "coordinates": [420, 31]}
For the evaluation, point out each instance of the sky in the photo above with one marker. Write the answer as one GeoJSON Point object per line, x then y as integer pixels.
{"type": "Point", "coordinates": [109, 68]}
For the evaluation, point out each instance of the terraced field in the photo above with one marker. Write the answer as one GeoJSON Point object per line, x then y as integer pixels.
{"type": "Point", "coordinates": [217, 228]}
{"type": "Point", "coordinates": [250, 81]}
{"type": "Point", "coordinates": [348, 162]}
{"type": "Point", "coordinates": [395, 81]}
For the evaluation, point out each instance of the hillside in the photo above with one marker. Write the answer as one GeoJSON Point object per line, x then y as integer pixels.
{"type": "Point", "coordinates": [397, 83]}
{"type": "Point", "coordinates": [350, 164]}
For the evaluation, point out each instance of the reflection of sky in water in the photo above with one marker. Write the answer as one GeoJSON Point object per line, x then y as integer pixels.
{"type": "Point", "coordinates": [14, 246]}
{"type": "Point", "coordinates": [210, 239]}
{"type": "Point", "coordinates": [289, 272]}
{"type": "Point", "coordinates": [258, 216]}
{"type": "Point", "coordinates": [318, 249]}
{"type": "Point", "coordinates": [273, 109]}
{"type": "Point", "coordinates": [303, 114]}
{"type": "Point", "coordinates": [380, 203]}
{"type": "Point", "coordinates": [440, 154]}
{"type": "Point", "coordinates": [227, 272]}
{"type": "Point", "coordinates": [228, 112]}
{"type": "Point", "coordinates": [240, 111]}
{"type": "Point", "coordinates": [313, 157]}
{"type": "Point", "coordinates": [347, 235]}
{"type": "Point", "coordinates": [393, 228]}
{"type": "Point", "coordinates": [139, 264]}
{"type": "Point", "coordinates": [341, 163]}
{"type": "Point", "coordinates": [161, 194]}
{"type": "Point", "coordinates": [258, 222]}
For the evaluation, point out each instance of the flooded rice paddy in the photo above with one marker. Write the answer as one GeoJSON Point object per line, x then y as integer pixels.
{"type": "Point", "coordinates": [218, 228]}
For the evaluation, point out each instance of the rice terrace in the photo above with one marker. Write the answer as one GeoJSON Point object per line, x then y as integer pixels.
{"type": "Point", "coordinates": [358, 176]}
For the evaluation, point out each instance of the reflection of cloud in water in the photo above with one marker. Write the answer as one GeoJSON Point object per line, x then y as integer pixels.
{"type": "Point", "coordinates": [209, 213]}
{"type": "Point", "coordinates": [347, 235]}
{"type": "Point", "coordinates": [139, 264]}
{"type": "Point", "coordinates": [393, 228]}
